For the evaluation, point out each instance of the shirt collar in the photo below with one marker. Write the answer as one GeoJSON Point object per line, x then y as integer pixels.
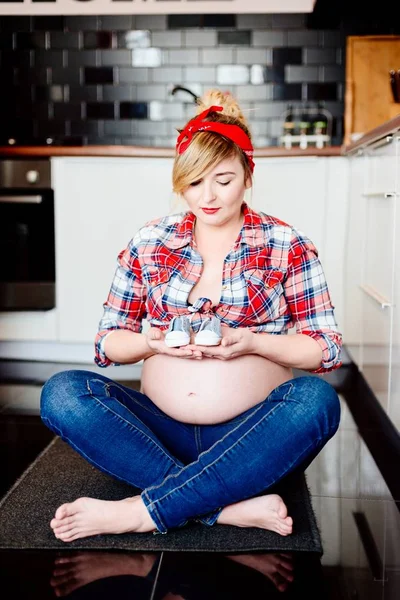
{"type": "Point", "coordinates": [251, 232]}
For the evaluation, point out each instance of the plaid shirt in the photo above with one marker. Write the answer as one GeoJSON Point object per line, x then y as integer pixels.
{"type": "Point", "coordinates": [272, 280]}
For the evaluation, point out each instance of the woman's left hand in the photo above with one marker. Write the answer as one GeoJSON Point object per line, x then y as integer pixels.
{"type": "Point", "coordinates": [234, 343]}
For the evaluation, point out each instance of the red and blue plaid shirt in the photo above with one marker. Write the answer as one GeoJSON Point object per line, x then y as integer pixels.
{"type": "Point", "coordinates": [272, 280]}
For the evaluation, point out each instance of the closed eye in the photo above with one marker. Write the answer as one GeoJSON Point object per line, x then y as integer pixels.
{"type": "Point", "coordinates": [194, 183]}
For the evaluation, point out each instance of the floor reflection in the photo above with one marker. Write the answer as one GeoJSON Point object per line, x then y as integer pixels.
{"type": "Point", "coordinates": [165, 576]}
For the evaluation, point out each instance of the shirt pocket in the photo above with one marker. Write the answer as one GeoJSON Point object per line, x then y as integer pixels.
{"type": "Point", "coordinates": [264, 294]}
{"type": "Point", "coordinates": [157, 280]}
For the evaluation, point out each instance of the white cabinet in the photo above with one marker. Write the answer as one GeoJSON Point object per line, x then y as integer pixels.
{"type": "Point", "coordinates": [372, 270]}
{"type": "Point", "coordinates": [99, 204]}
{"type": "Point", "coordinates": [310, 193]}
{"type": "Point", "coordinates": [394, 383]}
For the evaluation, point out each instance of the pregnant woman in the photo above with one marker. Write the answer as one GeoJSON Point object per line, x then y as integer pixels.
{"type": "Point", "coordinates": [216, 423]}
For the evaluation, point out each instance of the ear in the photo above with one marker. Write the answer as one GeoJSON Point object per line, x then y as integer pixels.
{"type": "Point", "coordinates": [248, 182]}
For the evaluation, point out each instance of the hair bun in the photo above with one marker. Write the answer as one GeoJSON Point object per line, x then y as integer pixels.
{"type": "Point", "coordinates": [224, 99]}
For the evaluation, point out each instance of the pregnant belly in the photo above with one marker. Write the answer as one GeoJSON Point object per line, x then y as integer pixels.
{"type": "Point", "coordinates": [209, 391]}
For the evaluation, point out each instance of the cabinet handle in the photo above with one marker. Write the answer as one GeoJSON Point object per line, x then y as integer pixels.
{"type": "Point", "coordinates": [379, 194]}
{"type": "Point", "coordinates": [387, 139]}
{"type": "Point", "coordinates": [381, 300]}
{"type": "Point", "coordinates": [20, 199]}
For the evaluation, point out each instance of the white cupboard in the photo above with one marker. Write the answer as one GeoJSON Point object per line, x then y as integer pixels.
{"type": "Point", "coordinates": [99, 204]}
{"type": "Point", "coordinates": [372, 317]}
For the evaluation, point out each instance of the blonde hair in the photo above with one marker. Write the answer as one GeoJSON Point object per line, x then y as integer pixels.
{"type": "Point", "coordinates": [208, 148]}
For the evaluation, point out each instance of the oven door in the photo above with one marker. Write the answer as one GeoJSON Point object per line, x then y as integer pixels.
{"type": "Point", "coordinates": [27, 249]}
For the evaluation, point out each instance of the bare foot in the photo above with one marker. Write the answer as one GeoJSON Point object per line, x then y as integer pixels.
{"type": "Point", "coordinates": [267, 512]}
{"type": "Point", "coordinates": [278, 567]}
{"type": "Point", "coordinates": [73, 572]}
{"type": "Point", "coordinates": [89, 516]}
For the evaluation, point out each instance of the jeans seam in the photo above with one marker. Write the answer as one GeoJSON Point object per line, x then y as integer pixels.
{"type": "Point", "coordinates": [197, 438]}
{"type": "Point", "coordinates": [154, 508]}
{"type": "Point", "coordinates": [219, 457]}
{"type": "Point", "coordinates": [134, 427]}
{"type": "Point", "coordinates": [208, 450]}
{"type": "Point", "coordinates": [79, 451]}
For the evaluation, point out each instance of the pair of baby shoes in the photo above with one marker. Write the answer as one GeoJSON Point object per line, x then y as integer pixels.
{"type": "Point", "coordinates": [178, 333]}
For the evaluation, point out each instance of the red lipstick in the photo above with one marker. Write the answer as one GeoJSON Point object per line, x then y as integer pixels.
{"type": "Point", "coordinates": [210, 211]}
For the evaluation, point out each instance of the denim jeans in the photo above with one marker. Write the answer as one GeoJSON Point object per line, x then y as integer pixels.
{"type": "Point", "coordinates": [188, 471]}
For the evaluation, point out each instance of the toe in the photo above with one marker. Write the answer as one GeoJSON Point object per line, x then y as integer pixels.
{"type": "Point", "coordinates": [63, 511]}
{"type": "Point", "coordinates": [68, 536]}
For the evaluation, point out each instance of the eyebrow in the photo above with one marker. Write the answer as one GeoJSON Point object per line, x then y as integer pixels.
{"type": "Point", "coordinates": [226, 173]}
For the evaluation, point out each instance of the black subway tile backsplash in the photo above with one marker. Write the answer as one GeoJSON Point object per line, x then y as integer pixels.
{"type": "Point", "coordinates": [15, 23]}
{"type": "Point", "coordinates": [82, 23]}
{"type": "Point", "coordinates": [211, 20]}
{"type": "Point", "coordinates": [6, 41]}
{"type": "Point", "coordinates": [65, 40]}
{"type": "Point", "coordinates": [99, 39]}
{"type": "Point", "coordinates": [67, 112]}
{"type": "Point", "coordinates": [25, 40]}
{"type": "Point", "coordinates": [92, 79]}
{"type": "Point", "coordinates": [66, 75]}
{"type": "Point", "coordinates": [100, 110]}
{"type": "Point", "coordinates": [322, 91]}
{"type": "Point", "coordinates": [274, 74]}
{"type": "Point", "coordinates": [85, 127]}
{"type": "Point", "coordinates": [16, 58]}
{"type": "Point", "coordinates": [184, 21]}
{"type": "Point", "coordinates": [133, 110]}
{"type": "Point", "coordinates": [288, 91]}
{"type": "Point", "coordinates": [45, 58]}
{"type": "Point", "coordinates": [83, 58]}
{"type": "Point", "coordinates": [48, 23]}
{"type": "Point", "coordinates": [88, 93]}
{"type": "Point", "coordinates": [287, 56]}
{"type": "Point", "coordinates": [98, 75]}
{"type": "Point", "coordinates": [234, 38]}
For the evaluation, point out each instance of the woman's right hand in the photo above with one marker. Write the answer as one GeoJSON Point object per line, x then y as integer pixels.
{"type": "Point", "coordinates": [156, 342]}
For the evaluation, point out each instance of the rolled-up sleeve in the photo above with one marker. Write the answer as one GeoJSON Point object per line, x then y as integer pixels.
{"type": "Point", "coordinates": [309, 301]}
{"type": "Point", "coordinates": [125, 307]}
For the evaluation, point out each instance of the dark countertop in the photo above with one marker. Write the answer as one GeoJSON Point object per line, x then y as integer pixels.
{"type": "Point", "coordinates": [147, 151]}
{"type": "Point", "coordinates": [387, 128]}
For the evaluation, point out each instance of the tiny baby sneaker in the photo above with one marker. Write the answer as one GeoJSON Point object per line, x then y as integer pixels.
{"type": "Point", "coordinates": [209, 333]}
{"type": "Point", "coordinates": [178, 333]}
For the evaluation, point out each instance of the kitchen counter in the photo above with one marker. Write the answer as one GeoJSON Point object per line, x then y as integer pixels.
{"type": "Point", "coordinates": [372, 136]}
{"type": "Point", "coordinates": [148, 151]}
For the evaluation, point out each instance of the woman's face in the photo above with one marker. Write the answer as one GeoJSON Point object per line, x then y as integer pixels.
{"type": "Point", "coordinates": [220, 188]}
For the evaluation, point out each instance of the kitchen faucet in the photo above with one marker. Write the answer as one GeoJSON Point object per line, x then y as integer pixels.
{"type": "Point", "coordinates": [178, 88]}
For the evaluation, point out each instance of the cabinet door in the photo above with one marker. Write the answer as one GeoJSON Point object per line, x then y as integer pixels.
{"type": "Point", "coordinates": [310, 193]}
{"type": "Point", "coordinates": [100, 203]}
{"type": "Point", "coordinates": [353, 263]}
{"type": "Point", "coordinates": [293, 190]}
{"type": "Point", "coordinates": [377, 278]}
{"type": "Point", "coordinates": [394, 390]}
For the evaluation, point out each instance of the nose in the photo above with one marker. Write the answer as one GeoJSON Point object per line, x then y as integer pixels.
{"type": "Point", "coordinates": [208, 193]}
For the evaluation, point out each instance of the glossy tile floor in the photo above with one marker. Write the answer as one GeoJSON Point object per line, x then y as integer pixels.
{"type": "Point", "coordinates": [357, 515]}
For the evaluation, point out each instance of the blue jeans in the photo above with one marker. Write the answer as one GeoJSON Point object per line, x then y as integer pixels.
{"type": "Point", "coordinates": [190, 471]}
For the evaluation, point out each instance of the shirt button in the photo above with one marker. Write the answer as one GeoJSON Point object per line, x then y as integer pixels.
{"type": "Point", "coordinates": [224, 287]}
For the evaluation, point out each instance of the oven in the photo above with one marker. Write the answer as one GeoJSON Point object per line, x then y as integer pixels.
{"type": "Point", "coordinates": [27, 240]}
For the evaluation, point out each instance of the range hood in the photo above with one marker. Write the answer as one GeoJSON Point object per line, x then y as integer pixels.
{"type": "Point", "coordinates": [133, 7]}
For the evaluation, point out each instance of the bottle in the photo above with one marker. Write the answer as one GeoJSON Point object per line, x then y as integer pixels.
{"type": "Point", "coordinates": [288, 125]}
{"type": "Point", "coordinates": [305, 123]}
{"type": "Point", "coordinates": [320, 124]}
